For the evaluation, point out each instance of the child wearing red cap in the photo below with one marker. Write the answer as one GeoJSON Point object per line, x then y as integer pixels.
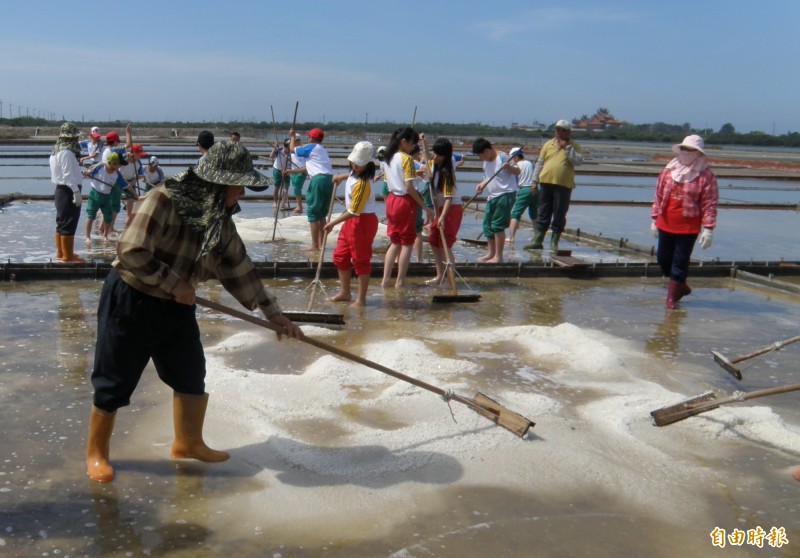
{"type": "Point", "coordinates": [94, 147]}
{"type": "Point", "coordinates": [319, 168]}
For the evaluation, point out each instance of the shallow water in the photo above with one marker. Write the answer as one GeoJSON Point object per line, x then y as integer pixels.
{"type": "Point", "coordinates": [330, 459]}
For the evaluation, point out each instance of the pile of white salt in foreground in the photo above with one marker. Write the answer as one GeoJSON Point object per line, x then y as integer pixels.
{"type": "Point", "coordinates": [339, 444]}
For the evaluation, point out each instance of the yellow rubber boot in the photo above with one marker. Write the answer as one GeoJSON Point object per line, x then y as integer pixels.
{"type": "Point", "coordinates": [67, 245]}
{"type": "Point", "coordinates": [59, 249]}
{"type": "Point", "coordinates": [189, 413]}
{"type": "Point", "coordinates": [101, 425]}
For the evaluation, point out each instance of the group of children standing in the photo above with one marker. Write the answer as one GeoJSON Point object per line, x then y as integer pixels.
{"type": "Point", "coordinates": [508, 182]}
{"type": "Point", "coordinates": [420, 188]}
{"type": "Point", "coordinates": [117, 174]}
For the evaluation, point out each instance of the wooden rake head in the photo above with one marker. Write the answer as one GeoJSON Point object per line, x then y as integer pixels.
{"type": "Point", "coordinates": [685, 409]}
{"type": "Point", "coordinates": [727, 365]}
{"type": "Point", "coordinates": [495, 412]}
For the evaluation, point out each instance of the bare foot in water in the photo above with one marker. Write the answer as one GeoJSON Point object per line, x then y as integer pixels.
{"type": "Point", "coordinates": [386, 284]}
{"type": "Point", "coordinates": [358, 305]}
{"type": "Point", "coordinates": [493, 260]}
{"type": "Point", "coordinates": [435, 281]}
{"type": "Point", "coordinates": [484, 259]}
{"type": "Point", "coordinates": [341, 297]}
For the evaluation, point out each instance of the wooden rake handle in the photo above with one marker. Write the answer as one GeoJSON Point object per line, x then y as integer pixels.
{"type": "Point", "coordinates": [778, 345]}
{"type": "Point", "coordinates": [445, 394]}
{"type": "Point", "coordinates": [472, 199]}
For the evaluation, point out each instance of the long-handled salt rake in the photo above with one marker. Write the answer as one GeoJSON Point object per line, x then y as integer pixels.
{"type": "Point", "coordinates": [708, 401]}
{"type": "Point", "coordinates": [449, 268]}
{"type": "Point", "coordinates": [472, 199]}
{"type": "Point", "coordinates": [729, 365]}
{"type": "Point", "coordinates": [317, 282]}
{"type": "Point", "coordinates": [282, 187]}
{"type": "Point", "coordinates": [481, 404]}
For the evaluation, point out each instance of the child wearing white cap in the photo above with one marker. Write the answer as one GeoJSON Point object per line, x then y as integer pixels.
{"type": "Point", "coordinates": [354, 247]}
{"type": "Point", "coordinates": [152, 174]}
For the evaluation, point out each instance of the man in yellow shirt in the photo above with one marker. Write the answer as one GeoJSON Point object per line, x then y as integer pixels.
{"type": "Point", "coordinates": [555, 175]}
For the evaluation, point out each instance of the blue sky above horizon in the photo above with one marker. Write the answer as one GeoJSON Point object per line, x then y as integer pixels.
{"type": "Point", "coordinates": [702, 62]}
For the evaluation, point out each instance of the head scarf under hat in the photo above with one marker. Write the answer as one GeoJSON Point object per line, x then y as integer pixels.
{"type": "Point", "coordinates": [68, 140]}
{"type": "Point", "coordinates": [198, 194]}
{"type": "Point", "coordinates": [688, 164]}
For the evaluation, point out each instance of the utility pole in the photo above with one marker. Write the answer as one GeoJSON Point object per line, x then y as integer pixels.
{"type": "Point", "coordinates": [366, 120]}
{"type": "Point", "coordinates": [1, 108]}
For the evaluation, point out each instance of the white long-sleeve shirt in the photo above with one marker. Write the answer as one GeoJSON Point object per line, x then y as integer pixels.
{"type": "Point", "coordinates": [65, 169]}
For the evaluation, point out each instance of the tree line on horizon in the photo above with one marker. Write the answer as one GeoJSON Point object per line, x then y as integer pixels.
{"type": "Point", "coordinates": [661, 132]}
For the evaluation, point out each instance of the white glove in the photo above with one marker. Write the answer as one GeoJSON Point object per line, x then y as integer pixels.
{"type": "Point", "coordinates": [76, 198]}
{"type": "Point", "coordinates": [706, 237]}
{"type": "Point", "coordinates": [654, 229]}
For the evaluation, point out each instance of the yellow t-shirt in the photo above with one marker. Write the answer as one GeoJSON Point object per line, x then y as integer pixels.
{"type": "Point", "coordinates": [557, 169]}
{"type": "Point", "coordinates": [359, 193]}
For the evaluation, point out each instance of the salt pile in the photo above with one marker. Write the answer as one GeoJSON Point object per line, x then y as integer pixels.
{"type": "Point", "coordinates": [323, 441]}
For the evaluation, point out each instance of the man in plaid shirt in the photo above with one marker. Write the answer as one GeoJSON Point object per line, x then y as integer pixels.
{"type": "Point", "coordinates": [180, 234]}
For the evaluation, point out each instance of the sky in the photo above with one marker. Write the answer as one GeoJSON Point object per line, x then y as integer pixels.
{"type": "Point", "coordinates": [702, 62]}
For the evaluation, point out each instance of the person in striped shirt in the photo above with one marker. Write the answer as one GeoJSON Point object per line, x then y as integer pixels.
{"type": "Point", "coordinates": [354, 247]}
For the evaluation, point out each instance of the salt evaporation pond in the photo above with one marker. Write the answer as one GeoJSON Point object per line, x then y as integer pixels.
{"type": "Point", "coordinates": [332, 459]}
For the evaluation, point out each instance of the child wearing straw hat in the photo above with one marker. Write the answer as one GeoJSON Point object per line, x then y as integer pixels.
{"type": "Point", "coordinates": [354, 247]}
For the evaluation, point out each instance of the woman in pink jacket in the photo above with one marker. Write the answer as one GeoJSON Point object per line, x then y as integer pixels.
{"type": "Point", "coordinates": [685, 207]}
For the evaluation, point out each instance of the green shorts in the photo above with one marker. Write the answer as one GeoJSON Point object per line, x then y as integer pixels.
{"type": "Point", "coordinates": [318, 198]}
{"type": "Point", "coordinates": [276, 178]}
{"type": "Point", "coordinates": [297, 184]}
{"type": "Point", "coordinates": [116, 198]}
{"type": "Point", "coordinates": [99, 202]}
{"type": "Point", "coordinates": [525, 201]}
{"type": "Point", "coordinates": [497, 215]}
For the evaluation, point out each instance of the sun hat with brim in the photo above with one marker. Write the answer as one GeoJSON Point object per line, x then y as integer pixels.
{"type": "Point", "coordinates": [229, 163]}
{"type": "Point", "coordinates": [692, 142]}
{"type": "Point", "coordinates": [564, 125]}
{"type": "Point", "coordinates": [68, 131]}
{"type": "Point", "coordinates": [361, 154]}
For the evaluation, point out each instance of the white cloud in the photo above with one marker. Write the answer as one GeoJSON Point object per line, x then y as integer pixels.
{"type": "Point", "coordinates": [567, 20]}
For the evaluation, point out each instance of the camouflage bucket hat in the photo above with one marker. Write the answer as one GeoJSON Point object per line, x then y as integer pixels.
{"type": "Point", "coordinates": [68, 131]}
{"type": "Point", "coordinates": [228, 163]}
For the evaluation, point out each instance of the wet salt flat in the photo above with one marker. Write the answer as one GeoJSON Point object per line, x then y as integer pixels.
{"type": "Point", "coordinates": [26, 230]}
{"type": "Point", "coordinates": [333, 459]}
{"type": "Point", "coordinates": [329, 458]}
